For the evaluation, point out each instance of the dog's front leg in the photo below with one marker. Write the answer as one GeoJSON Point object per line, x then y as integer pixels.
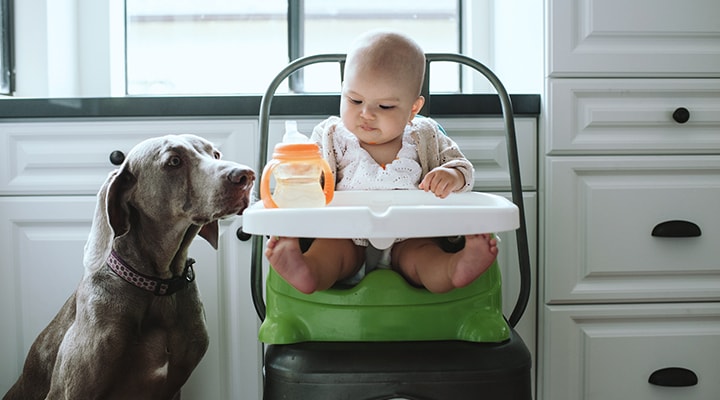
{"type": "Point", "coordinates": [86, 363]}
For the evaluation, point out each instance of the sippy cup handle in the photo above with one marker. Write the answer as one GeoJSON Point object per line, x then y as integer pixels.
{"type": "Point", "coordinates": [265, 194]}
{"type": "Point", "coordinates": [328, 182]}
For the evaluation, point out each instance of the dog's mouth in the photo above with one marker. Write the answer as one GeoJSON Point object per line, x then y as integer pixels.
{"type": "Point", "coordinates": [237, 208]}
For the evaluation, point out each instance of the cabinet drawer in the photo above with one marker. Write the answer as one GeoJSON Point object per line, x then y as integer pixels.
{"type": "Point", "coordinates": [600, 213]}
{"type": "Point", "coordinates": [72, 157]}
{"type": "Point", "coordinates": [609, 352]}
{"type": "Point", "coordinates": [482, 141]}
{"type": "Point", "coordinates": [633, 38]}
{"type": "Point", "coordinates": [626, 116]}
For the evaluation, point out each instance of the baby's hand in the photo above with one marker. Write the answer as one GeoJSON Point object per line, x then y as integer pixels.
{"type": "Point", "coordinates": [442, 181]}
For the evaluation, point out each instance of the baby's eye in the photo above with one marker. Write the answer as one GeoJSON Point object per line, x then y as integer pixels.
{"type": "Point", "coordinates": [354, 101]}
{"type": "Point", "coordinates": [386, 107]}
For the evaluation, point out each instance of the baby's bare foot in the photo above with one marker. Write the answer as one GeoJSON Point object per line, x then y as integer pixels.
{"type": "Point", "coordinates": [286, 258]}
{"type": "Point", "coordinates": [475, 258]}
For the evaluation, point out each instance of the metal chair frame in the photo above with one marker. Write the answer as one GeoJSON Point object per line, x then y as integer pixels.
{"type": "Point", "coordinates": [512, 154]}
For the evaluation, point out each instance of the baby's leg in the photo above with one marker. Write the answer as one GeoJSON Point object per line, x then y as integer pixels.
{"type": "Point", "coordinates": [323, 264]}
{"type": "Point", "coordinates": [424, 263]}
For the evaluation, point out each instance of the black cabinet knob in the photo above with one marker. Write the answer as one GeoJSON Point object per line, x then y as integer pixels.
{"type": "Point", "coordinates": [117, 157]}
{"type": "Point", "coordinates": [681, 115]}
{"type": "Point", "coordinates": [244, 237]}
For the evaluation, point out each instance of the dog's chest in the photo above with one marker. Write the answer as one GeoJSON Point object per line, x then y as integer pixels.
{"type": "Point", "coordinates": [164, 358]}
{"type": "Point", "coordinates": [170, 342]}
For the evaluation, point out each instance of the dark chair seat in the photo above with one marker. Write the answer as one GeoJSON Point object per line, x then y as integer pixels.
{"type": "Point", "coordinates": [441, 370]}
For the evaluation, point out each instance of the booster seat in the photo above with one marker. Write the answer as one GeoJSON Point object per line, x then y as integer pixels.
{"type": "Point", "coordinates": [368, 341]}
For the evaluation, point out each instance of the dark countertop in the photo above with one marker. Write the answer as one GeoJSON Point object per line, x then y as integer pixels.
{"type": "Point", "coordinates": [242, 106]}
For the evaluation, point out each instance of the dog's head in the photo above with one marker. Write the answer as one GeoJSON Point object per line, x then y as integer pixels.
{"type": "Point", "coordinates": [176, 180]}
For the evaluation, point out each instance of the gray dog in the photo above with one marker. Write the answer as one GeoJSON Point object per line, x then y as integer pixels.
{"type": "Point", "coordinates": [134, 328]}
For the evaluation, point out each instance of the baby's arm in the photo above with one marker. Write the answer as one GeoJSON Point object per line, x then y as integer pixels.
{"type": "Point", "coordinates": [442, 181]}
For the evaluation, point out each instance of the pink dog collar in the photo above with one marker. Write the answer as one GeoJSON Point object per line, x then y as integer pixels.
{"type": "Point", "coordinates": [160, 287]}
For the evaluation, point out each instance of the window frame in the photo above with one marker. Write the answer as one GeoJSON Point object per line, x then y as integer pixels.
{"type": "Point", "coordinates": [7, 62]}
{"type": "Point", "coordinates": [296, 41]}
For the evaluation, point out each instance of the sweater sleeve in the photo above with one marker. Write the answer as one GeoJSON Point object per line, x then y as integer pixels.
{"type": "Point", "coordinates": [438, 149]}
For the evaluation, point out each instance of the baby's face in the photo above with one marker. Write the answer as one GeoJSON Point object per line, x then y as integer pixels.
{"type": "Point", "coordinates": [376, 106]}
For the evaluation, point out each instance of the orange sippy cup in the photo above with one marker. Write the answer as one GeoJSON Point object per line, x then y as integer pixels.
{"type": "Point", "coordinates": [297, 167]}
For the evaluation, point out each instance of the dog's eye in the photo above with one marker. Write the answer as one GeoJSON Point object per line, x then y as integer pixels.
{"type": "Point", "coordinates": [174, 161]}
{"type": "Point", "coordinates": [217, 155]}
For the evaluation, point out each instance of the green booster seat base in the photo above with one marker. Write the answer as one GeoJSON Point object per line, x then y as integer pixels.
{"type": "Point", "coordinates": [385, 307]}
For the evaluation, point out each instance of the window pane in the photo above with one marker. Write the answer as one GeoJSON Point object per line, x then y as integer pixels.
{"type": "Point", "coordinates": [204, 47]}
{"type": "Point", "coordinates": [331, 26]}
{"type": "Point", "coordinates": [237, 46]}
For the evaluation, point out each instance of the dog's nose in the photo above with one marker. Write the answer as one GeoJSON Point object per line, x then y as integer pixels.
{"type": "Point", "coordinates": [241, 176]}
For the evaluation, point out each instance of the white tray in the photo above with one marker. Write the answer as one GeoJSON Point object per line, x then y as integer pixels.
{"type": "Point", "coordinates": [383, 215]}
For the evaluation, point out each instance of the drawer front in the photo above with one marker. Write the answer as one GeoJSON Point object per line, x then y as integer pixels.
{"type": "Point", "coordinates": [482, 141]}
{"type": "Point", "coordinates": [610, 352]}
{"type": "Point", "coordinates": [633, 38]}
{"type": "Point", "coordinates": [600, 215]}
{"type": "Point", "coordinates": [633, 116]}
{"type": "Point", "coordinates": [72, 157]}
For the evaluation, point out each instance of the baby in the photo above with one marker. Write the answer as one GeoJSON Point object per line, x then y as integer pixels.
{"type": "Point", "coordinates": [378, 144]}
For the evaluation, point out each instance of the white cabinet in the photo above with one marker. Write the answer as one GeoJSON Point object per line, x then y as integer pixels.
{"type": "Point", "coordinates": [52, 170]}
{"type": "Point", "coordinates": [48, 182]}
{"type": "Point", "coordinates": [629, 250]}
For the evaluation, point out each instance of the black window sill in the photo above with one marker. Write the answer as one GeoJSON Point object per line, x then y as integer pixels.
{"type": "Point", "coordinates": [441, 105]}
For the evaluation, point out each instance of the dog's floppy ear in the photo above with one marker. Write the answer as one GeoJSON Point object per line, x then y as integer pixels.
{"type": "Point", "coordinates": [118, 195]}
{"type": "Point", "coordinates": [209, 232]}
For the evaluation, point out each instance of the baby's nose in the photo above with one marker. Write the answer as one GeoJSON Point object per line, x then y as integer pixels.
{"type": "Point", "coordinates": [366, 113]}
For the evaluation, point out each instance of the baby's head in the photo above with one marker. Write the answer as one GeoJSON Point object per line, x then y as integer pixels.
{"type": "Point", "coordinates": [384, 73]}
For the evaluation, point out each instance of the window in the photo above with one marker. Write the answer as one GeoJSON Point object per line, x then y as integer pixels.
{"type": "Point", "coordinates": [237, 46]}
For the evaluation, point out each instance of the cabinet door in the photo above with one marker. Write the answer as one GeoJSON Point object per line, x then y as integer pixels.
{"type": "Point", "coordinates": [509, 267]}
{"type": "Point", "coordinates": [643, 38]}
{"type": "Point", "coordinates": [603, 352]}
{"type": "Point", "coordinates": [42, 245]}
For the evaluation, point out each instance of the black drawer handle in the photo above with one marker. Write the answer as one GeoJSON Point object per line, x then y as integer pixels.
{"type": "Point", "coordinates": [117, 157]}
{"type": "Point", "coordinates": [681, 115]}
{"type": "Point", "coordinates": [673, 377]}
{"type": "Point", "coordinates": [676, 229]}
{"type": "Point", "coordinates": [242, 235]}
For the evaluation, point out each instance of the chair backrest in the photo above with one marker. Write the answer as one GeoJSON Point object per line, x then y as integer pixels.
{"type": "Point", "coordinates": [512, 154]}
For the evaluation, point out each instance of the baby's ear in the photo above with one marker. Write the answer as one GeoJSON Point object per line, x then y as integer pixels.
{"type": "Point", "coordinates": [417, 106]}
